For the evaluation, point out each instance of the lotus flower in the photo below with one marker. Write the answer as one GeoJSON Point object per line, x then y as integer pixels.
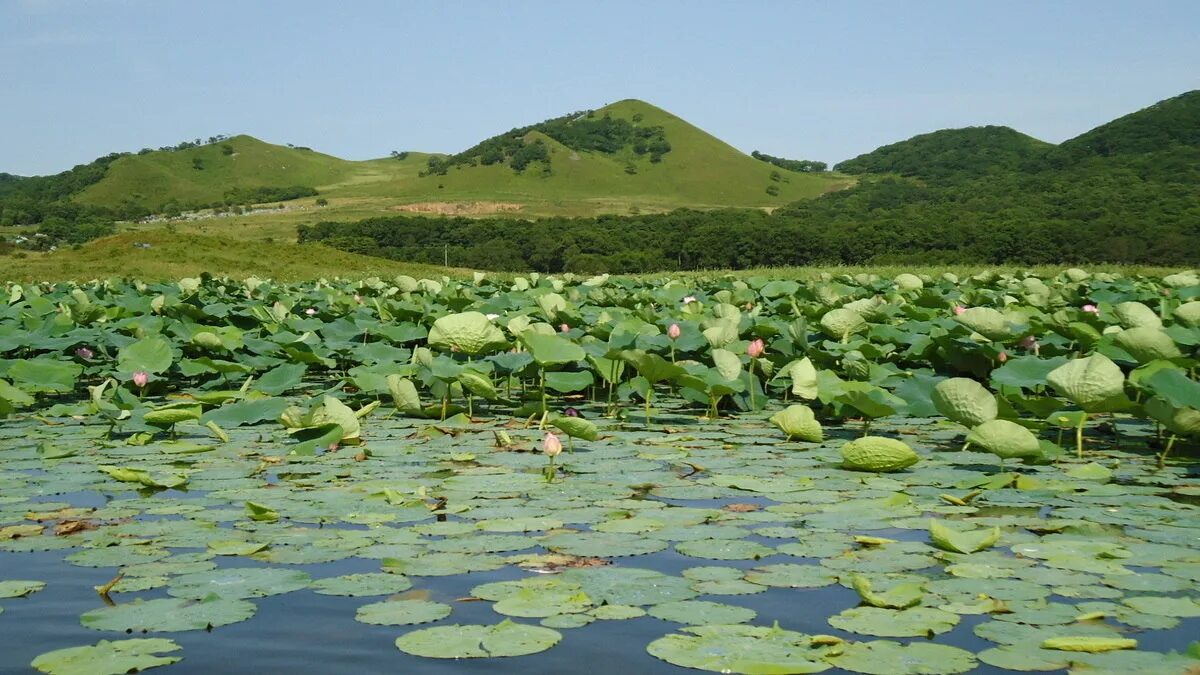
{"type": "Point", "coordinates": [492, 317]}
{"type": "Point", "coordinates": [756, 348]}
{"type": "Point", "coordinates": [674, 331]}
{"type": "Point", "coordinates": [358, 298]}
{"type": "Point", "coordinates": [141, 378]}
{"type": "Point", "coordinates": [1002, 357]}
{"type": "Point", "coordinates": [311, 311]}
{"type": "Point", "coordinates": [572, 412]}
{"type": "Point", "coordinates": [689, 299]}
{"type": "Point", "coordinates": [1030, 343]}
{"type": "Point", "coordinates": [84, 353]}
{"type": "Point", "coordinates": [564, 328]}
{"type": "Point", "coordinates": [959, 309]}
{"type": "Point", "coordinates": [551, 445]}
{"type": "Point", "coordinates": [1091, 309]}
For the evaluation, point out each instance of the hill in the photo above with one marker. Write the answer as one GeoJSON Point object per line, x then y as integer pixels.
{"type": "Point", "coordinates": [210, 173]}
{"type": "Point", "coordinates": [626, 155]}
{"type": "Point", "coordinates": [1170, 124]}
{"type": "Point", "coordinates": [973, 151]}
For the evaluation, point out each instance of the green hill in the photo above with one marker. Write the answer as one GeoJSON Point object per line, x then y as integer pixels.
{"type": "Point", "coordinates": [208, 173]}
{"type": "Point", "coordinates": [1169, 124]}
{"type": "Point", "coordinates": [603, 173]}
{"type": "Point", "coordinates": [973, 151]}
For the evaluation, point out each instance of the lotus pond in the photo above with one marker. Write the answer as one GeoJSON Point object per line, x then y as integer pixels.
{"type": "Point", "coordinates": [845, 474]}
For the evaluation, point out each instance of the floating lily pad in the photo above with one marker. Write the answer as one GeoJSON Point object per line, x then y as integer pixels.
{"type": "Point", "coordinates": [883, 657]}
{"type": "Point", "coordinates": [357, 585]}
{"type": "Point", "coordinates": [115, 657]}
{"type": "Point", "coordinates": [239, 582]}
{"type": "Point", "coordinates": [402, 612]}
{"type": "Point", "coordinates": [19, 589]}
{"type": "Point", "coordinates": [478, 641]}
{"type": "Point", "coordinates": [742, 649]}
{"type": "Point", "coordinates": [701, 612]}
{"type": "Point", "coordinates": [168, 615]}
{"type": "Point", "coordinates": [913, 622]}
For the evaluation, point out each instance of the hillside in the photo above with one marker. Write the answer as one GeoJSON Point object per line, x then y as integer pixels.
{"type": "Point", "coordinates": [699, 170]}
{"type": "Point", "coordinates": [208, 173]}
{"type": "Point", "coordinates": [1168, 124]}
{"type": "Point", "coordinates": [974, 151]}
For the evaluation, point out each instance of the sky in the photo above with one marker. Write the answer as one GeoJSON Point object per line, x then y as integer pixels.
{"type": "Point", "coordinates": [797, 79]}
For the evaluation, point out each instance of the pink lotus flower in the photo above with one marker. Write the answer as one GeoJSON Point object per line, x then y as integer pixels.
{"type": "Point", "coordinates": [141, 378]}
{"type": "Point", "coordinates": [311, 311]}
{"type": "Point", "coordinates": [959, 309]}
{"type": "Point", "coordinates": [84, 353]}
{"type": "Point", "coordinates": [1002, 357]}
{"type": "Point", "coordinates": [756, 348]}
{"type": "Point", "coordinates": [551, 445]}
{"type": "Point", "coordinates": [674, 331]}
{"type": "Point", "coordinates": [564, 328]}
{"type": "Point", "coordinates": [1091, 309]}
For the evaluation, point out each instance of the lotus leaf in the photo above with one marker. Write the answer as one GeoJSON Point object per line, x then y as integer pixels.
{"type": "Point", "coordinates": [798, 421]}
{"type": "Point", "coordinates": [470, 333]}
{"type": "Point", "coordinates": [477, 641]}
{"type": "Point", "coordinates": [965, 401]}
{"type": "Point", "coordinates": [743, 649]}
{"type": "Point", "coordinates": [106, 657]}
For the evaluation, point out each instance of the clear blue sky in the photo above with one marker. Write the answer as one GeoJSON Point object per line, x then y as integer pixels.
{"type": "Point", "coordinates": [811, 80]}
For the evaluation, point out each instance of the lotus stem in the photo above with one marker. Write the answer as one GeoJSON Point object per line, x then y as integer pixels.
{"type": "Point", "coordinates": [752, 408]}
{"type": "Point", "coordinates": [649, 395]}
{"type": "Point", "coordinates": [1079, 436]}
{"type": "Point", "coordinates": [550, 471]}
{"type": "Point", "coordinates": [867, 426]}
{"type": "Point", "coordinates": [1162, 459]}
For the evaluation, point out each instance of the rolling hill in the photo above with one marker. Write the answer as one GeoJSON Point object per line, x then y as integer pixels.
{"type": "Point", "coordinates": [576, 173]}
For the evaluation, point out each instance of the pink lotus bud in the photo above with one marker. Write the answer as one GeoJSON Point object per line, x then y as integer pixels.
{"type": "Point", "coordinates": [311, 311]}
{"type": "Point", "coordinates": [551, 445]}
{"type": "Point", "coordinates": [756, 348]}
{"type": "Point", "coordinates": [1091, 309]}
{"type": "Point", "coordinates": [1002, 357]}
{"type": "Point", "coordinates": [564, 328]}
{"type": "Point", "coordinates": [959, 309]}
{"type": "Point", "coordinates": [84, 353]}
{"type": "Point", "coordinates": [358, 298]}
{"type": "Point", "coordinates": [140, 378]}
{"type": "Point", "coordinates": [674, 331]}
{"type": "Point", "coordinates": [689, 299]}
{"type": "Point", "coordinates": [1029, 342]}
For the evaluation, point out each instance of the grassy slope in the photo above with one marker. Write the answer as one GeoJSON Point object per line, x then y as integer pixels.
{"type": "Point", "coordinates": [177, 255]}
{"type": "Point", "coordinates": [700, 171]}
{"type": "Point", "coordinates": [158, 177]}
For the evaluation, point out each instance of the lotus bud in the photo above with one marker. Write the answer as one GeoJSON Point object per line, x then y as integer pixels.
{"type": "Point", "coordinates": [84, 353]}
{"type": "Point", "coordinates": [551, 445]}
{"type": "Point", "coordinates": [1029, 342]}
{"type": "Point", "coordinates": [674, 331]}
{"type": "Point", "coordinates": [141, 378]}
{"type": "Point", "coordinates": [564, 328]}
{"type": "Point", "coordinates": [358, 298]}
{"type": "Point", "coordinates": [572, 412]}
{"type": "Point", "coordinates": [689, 299]}
{"type": "Point", "coordinates": [959, 309]}
{"type": "Point", "coordinates": [492, 317]}
{"type": "Point", "coordinates": [311, 311]}
{"type": "Point", "coordinates": [756, 348]}
{"type": "Point", "coordinates": [1091, 309]}
{"type": "Point", "coordinates": [1002, 357]}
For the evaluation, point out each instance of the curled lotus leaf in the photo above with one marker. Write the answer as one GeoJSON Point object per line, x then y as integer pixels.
{"type": "Point", "coordinates": [1006, 440]}
{"type": "Point", "coordinates": [470, 333]}
{"type": "Point", "coordinates": [988, 322]}
{"type": "Point", "coordinates": [1133, 314]}
{"type": "Point", "coordinates": [799, 421]}
{"type": "Point", "coordinates": [965, 401]}
{"type": "Point", "coordinates": [1091, 382]}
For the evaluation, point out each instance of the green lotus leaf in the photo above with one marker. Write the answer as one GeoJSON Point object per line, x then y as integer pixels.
{"type": "Point", "coordinates": [958, 541]}
{"type": "Point", "coordinates": [478, 641]}
{"type": "Point", "coordinates": [19, 589]}
{"type": "Point", "coordinates": [238, 582]}
{"type": "Point", "coordinates": [1136, 315]}
{"type": "Point", "coordinates": [1147, 343]}
{"type": "Point", "coordinates": [576, 427]}
{"type": "Point", "coordinates": [840, 323]}
{"type": "Point", "coordinates": [965, 401]}
{"type": "Point", "coordinates": [143, 477]}
{"type": "Point", "coordinates": [470, 333]}
{"type": "Point", "coordinates": [912, 622]}
{"type": "Point", "coordinates": [43, 375]}
{"type": "Point", "coordinates": [798, 421]}
{"type": "Point", "coordinates": [1163, 606]}
{"type": "Point", "coordinates": [1188, 313]}
{"type": "Point", "coordinates": [115, 657]}
{"type": "Point", "coordinates": [743, 649]}
{"type": "Point", "coordinates": [789, 575]}
{"type": "Point", "coordinates": [884, 657]}
{"type": "Point", "coordinates": [152, 355]}
{"type": "Point", "coordinates": [542, 603]}
{"type": "Point", "coordinates": [1006, 440]}
{"type": "Point", "coordinates": [478, 384]}
{"type": "Point", "coordinates": [877, 453]}
{"type": "Point", "coordinates": [700, 612]}
{"type": "Point", "coordinates": [1181, 421]}
{"type": "Point", "coordinates": [401, 612]}
{"type": "Point", "coordinates": [900, 596]}
{"type": "Point", "coordinates": [986, 321]}
{"type": "Point", "coordinates": [552, 350]}
{"type": "Point", "coordinates": [168, 615]}
{"type": "Point", "coordinates": [1092, 383]}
